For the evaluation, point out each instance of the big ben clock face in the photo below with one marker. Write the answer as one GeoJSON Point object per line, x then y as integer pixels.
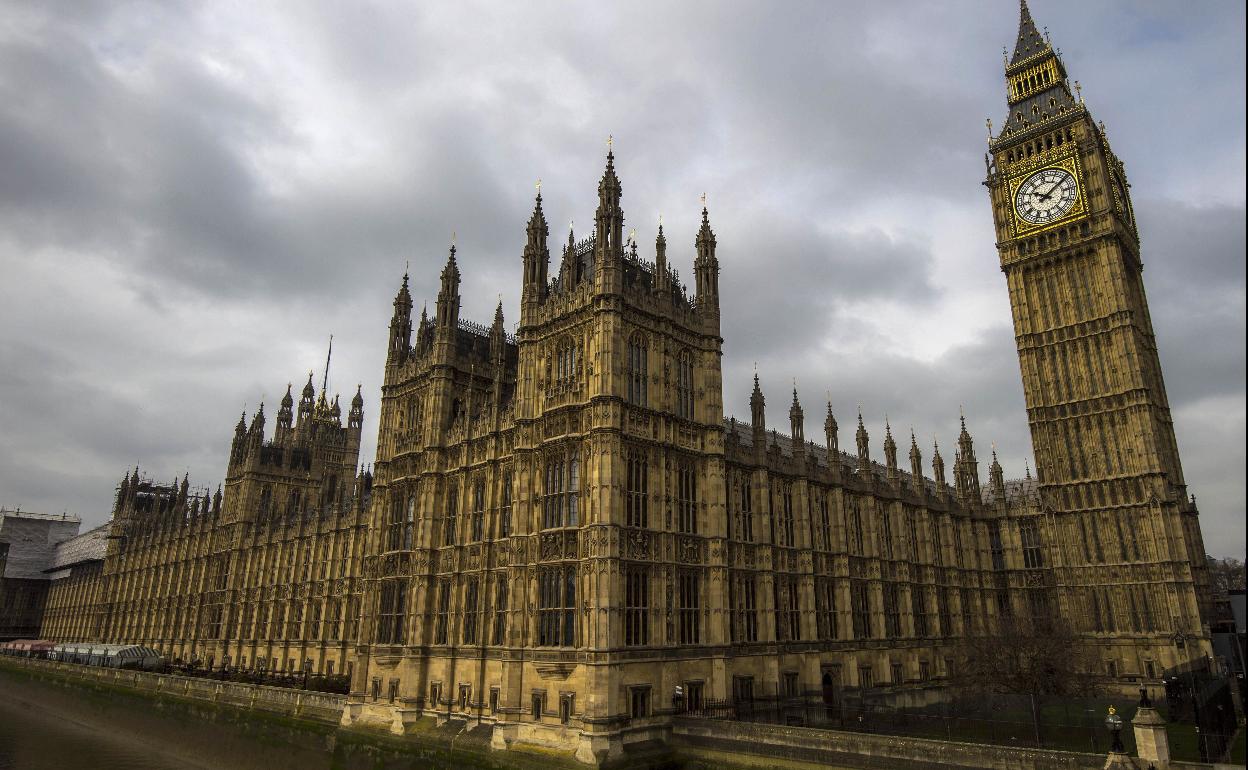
{"type": "Point", "coordinates": [1046, 196]}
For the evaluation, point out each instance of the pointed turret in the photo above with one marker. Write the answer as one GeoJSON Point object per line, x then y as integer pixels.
{"type": "Point", "coordinates": [1030, 42]}
{"type": "Point", "coordinates": [498, 335]}
{"type": "Point", "coordinates": [797, 421]}
{"type": "Point", "coordinates": [216, 501]}
{"type": "Point", "coordinates": [1036, 80]}
{"type": "Point", "coordinates": [916, 465]}
{"type": "Point", "coordinates": [255, 433]}
{"type": "Point", "coordinates": [938, 468]}
{"type": "Point", "coordinates": [536, 254]}
{"type": "Point", "coordinates": [567, 266]}
{"type": "Point", "coordinates": [498, 354]}
{"type": "Point", "coordinates": [609, 218]}
{"type": "Point", "coordinates": [830, 431]}
{"type": "Point", "coordinates": [237, 447]}
{"type": "Point", "coordinates": [400, 326]}
{"type": "Point", "coordinates": [662, 278]}
{"type": "Point", "coordinates": [285, 416]}
{"type": "Point", "coordinates": [996, 477]}
{"type": "Point", "coordinates": [864, 448]}
{"type": "Point", "coordinates": [966, 469]}
{"type": "Point", "coordinates": [706, 266]}
{"type": "Point", "coordinates": [890, 453]}
{"type": "Point", "coordinates": [306, 401]}
{"type": "Point", "coordinates": [356, 418]}
{"type": "Point", "coordinates": [335, 412]}
{"type": "Point", "coordinates": [447, 319]}
{"type": "Point", "coordinates": [422, 331]}
{"type": "Point", "coordinates": [758, 419]}
{"type": "Point", "coordinates": [608, 231]}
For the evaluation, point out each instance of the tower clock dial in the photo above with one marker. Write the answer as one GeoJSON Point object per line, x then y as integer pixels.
{"type": "Point", "coordinates": [1046, 196]}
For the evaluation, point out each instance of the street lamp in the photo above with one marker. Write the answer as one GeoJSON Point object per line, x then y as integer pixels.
{"type": "Point", "coordinates": [1114, 723]}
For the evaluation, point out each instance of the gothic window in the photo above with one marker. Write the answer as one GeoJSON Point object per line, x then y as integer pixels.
{"type": "Point", "coordinates": [1004, 608]}
{"type": "Point", "coordinates": [562, 490]}
{"type": "Point", "coordinates": [684, 385]}
{"type": "Point", "coordinates": [686, 497]}
{"type": "Point", "coordinates": [688, 607]}
{"type": "Point", "coordinates": [639, 702]}
{"type": "Point", "coordinates": [886, 535]}
{"type": "Point", "coordinates": [557, 607]}
{"type": "Point", "coordinates": [294, 621]}
{"type": "Point", "coordinates": [918, 609]}
{"type": "Point", "coordinates": [400, 529]}
{"type": "Point", "coordinates": [743, 519]}
{"type": "Point", "coordinates": [471, 611]}
{"type": "Point", "coordinates": [636, 605]}
{"type": "Point", "coordinates": [266, 500]}
{"type": "Point", "coordinates": [500, 609]}
{"type": "Point", "coordinates": [860, 609]}
{"type": "Point", "coordinates": [942, 611]}
{"type": "Point", "coordinates": [968, 618]}
{"type": "Point", "coordinates": [1122, 540]}
{"type": "Point", "coordinates": [636, 490]}
{"type": "Point", "coordinates": [223, 572]}
{"type": "Point", "coordinates": [825, 608]}
{"type": "Point", "coordinates": [785, 533]}
{"type": "Point", "coordinates": [565, 362]}
{"type": "Point", "coordinates": [443, 612]}
{"type": "Point", "coordinates": [855, 527]}
{"type": "Point", "coordinates": [1098, 549]}
{"type": "Point", "coordinates": [742, 601]}
{"type": "Point", "coordinates": [995, 546]}
{"type": "Point", "coordinates": [892, 613]}
{"type": "Point", "coordinates": [333, 620]}
{"type": "Point", "coordinates": [314, 629]}
{"type": "Point", "coordinates": [637, 370]}
{"type": "Point", "coordinates": [1033, 551]}
{"type": "Point", "coordinates": [742, 689]}
{"type": "Point", "coordinates": [391, 611]}
{"type": "Point", "coordinates": [825, 522]}
{"type": "Point", "coordinates": [788, 615]}
{"type": "Point", "coordinates": [452, 513]}
{"type": "Point", "coordinates": [912, 518]}
{"type": "Point", "coordinates": [938, 543]}
{"type": "Point", "coordinates": [504, 510]}
{"type": "Point", "coordinates": [1038, 605]}
{"type": "Point", "coordinates": [478, 510]}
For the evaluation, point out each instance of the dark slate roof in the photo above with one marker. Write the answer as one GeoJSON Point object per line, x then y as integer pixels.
{"type": "Point", "coordinates": [1030, 41]}
{"type": "Point", "coordinates": [1039, 108]}
{"type": "Point", "coordinates": [1017, 491]}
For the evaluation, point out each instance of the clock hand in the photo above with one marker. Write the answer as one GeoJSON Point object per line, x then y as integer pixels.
{"type": "Point", "coordinates": [1045, 196]}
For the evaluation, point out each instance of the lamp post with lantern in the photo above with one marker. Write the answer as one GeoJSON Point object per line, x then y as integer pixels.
{"type": "Point", "coordinates": [1114, 723]}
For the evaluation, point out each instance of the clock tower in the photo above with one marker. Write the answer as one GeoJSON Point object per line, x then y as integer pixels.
{"type": "Point", "coordinates": [1130, 564]}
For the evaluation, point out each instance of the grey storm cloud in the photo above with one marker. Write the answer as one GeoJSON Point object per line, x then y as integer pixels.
{"type": "Point", "coordinates": [193, 198]}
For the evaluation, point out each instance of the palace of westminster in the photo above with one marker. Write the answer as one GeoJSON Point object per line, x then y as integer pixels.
{"type": "Point", "coordinates": [561, 529]}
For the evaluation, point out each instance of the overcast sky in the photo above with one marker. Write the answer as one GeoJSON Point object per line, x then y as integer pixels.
{"type": "Point", "coordinates": [193, 197]}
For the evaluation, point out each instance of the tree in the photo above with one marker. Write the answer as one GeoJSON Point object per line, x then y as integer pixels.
{"type": "Point", "coordinates": [1225, 574]}
{"type": "Point", "coordinates": [1027, 657]}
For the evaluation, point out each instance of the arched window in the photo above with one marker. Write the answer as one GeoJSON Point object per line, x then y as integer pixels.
{"type": "Point", "coordinates": [684, 385]}
{"type": "Point", "coordinates": [562, 490]}
{"type": "Point", "coordinates": [637, 370]}
{"type": "Point", "coordinates": [565, 362]}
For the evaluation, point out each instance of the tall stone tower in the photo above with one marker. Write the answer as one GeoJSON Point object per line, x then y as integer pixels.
{"type": "Point", "coordinates": [1131, 564]}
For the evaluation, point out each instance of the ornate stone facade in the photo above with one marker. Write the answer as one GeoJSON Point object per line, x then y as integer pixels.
{"type": "Point", "coordinates": [262, 575]}
{"type": "Point", "coordinates": [1128, 560]}
{"type": "Point", "coordinates": [563, 532]}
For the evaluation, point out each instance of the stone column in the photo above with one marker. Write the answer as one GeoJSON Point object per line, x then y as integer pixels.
{"type": "Point", "coordinates": [1151, 742]}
